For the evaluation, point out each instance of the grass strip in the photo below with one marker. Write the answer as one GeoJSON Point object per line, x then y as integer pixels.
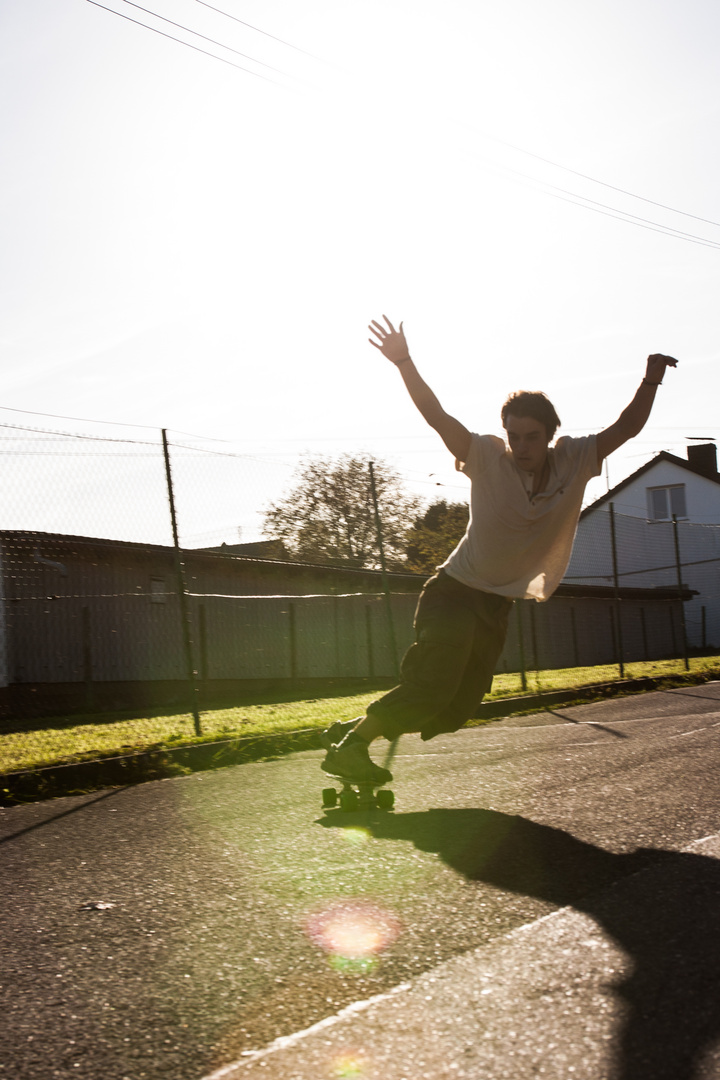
{"type": "Point", "coordinates": [66, 739]}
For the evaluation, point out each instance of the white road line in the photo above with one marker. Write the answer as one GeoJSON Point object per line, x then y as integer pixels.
{"type": "Point", "coordinates": [636, 720]}
{"type": "Point", "coordinates": [286, 1041]}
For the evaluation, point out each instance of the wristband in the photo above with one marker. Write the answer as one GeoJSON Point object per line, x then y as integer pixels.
{"type": "Point", "coordinates": [648, 383]}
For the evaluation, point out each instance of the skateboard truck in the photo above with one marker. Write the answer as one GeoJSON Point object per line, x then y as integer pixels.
{"type": "Point", "coordinates": [357, 795]}
{"type": "Point", "coordinates": [361, 794]}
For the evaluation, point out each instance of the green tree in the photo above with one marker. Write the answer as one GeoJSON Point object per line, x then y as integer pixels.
{"type": "Point", "coordinates": [328, 515]}
{"type": "Point", "coordinates": [435, 534]}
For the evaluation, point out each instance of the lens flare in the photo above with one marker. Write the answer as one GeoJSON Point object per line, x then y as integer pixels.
{"type": "Point", "coordinates": [349, 1066]}
{"type": "Point", "coordinates": [356, 835]}
{"type": "Point", "coordinates": [353, 933]}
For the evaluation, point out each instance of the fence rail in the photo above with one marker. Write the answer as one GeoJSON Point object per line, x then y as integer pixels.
{"type": "Point", "coordinates": [104, 600]}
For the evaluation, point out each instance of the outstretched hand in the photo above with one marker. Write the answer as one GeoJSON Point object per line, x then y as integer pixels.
{"type": "Point", "coordinates": [391, 342]}
{"type": "Point", "coordinates": [656, 366]}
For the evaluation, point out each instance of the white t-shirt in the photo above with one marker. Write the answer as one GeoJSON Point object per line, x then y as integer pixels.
{"type": "Point", "coordinates": [516, 545]}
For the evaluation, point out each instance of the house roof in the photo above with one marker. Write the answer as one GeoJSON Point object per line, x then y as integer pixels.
{"type": "Point", "coordinates": [664, 455]}
{"type": "Point", "coordinates": [226, 554]}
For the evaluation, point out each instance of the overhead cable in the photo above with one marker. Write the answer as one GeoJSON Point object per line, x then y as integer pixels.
{"type": "Point", "coordinates": [609, 211]}
{"type": "Point", "coordinates": [162, 33]}
{"type": "Point", "coordinates": [114, 423]}
{"type": "Point", "coordinates": [548, 189]}
{"type": "Point", "coordinates": [624, 215]}
{"type": "Point", "coordinates": [594, 180]}
{"type": "Point", "coordinates": [256, 29]}
{"type": "Point", "coordinates": [212, 41]}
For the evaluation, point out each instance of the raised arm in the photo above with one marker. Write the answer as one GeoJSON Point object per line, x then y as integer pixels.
{"type": "Point", "coordinates": [392, 344]}
{"type": "Point", "coordinates": [633, 419]}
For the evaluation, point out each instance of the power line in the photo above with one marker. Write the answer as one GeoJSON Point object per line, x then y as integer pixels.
{"type": "Point", "coordinates": [555, 192]}
{"type": "Point", "coordinates": [162, 33]}
{"type": "Point", "coordinates": [594, 180]}
{"type": "Point", "coordinates": [113, 423]}
{"type": "Point", "coordinates": [78, 419]}
{"type": "Point", "coordinates": [77, 435]}
{"type": "Point", "coordinates": [631, 219]}
{"type": "Point", "coordinates": [609, 211]}
{"type": "Point", "coordinates": [212, 41]}
{"type": "Point", "coordinates": [256, 29]}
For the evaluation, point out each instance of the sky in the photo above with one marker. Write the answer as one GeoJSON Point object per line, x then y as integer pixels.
{"type": "Point", "coordinates": [198, 242]}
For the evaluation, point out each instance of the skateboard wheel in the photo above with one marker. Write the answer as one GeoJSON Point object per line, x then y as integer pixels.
{"type": "Point", "coordinates": [329, 796]}
{"type": "Point", "coordinates": [348, 800]}
{"type": "Point", "coordinates": [385, 799]}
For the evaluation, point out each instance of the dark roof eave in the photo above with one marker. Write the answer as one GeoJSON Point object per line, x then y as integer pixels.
{"type": "Point", "coordinates": [206, 553]}
{"type": "Point", "coordinates": [626, 592]}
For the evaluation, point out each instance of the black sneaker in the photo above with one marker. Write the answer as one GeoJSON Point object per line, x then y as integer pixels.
{"type": "Point", "coordinates": [337, 732]}
{"type": "Point", "coordinates": [352, 762]}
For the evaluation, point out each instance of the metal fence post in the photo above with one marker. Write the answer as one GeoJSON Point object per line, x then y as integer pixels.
{"type": "Point", "coordinates": [678, 567]}
{"type": "Point", "coordinates": [182, 596]}
{"type": "Point", "coordinates": [292, 627]}
{"type": "Point", "coordinates": [534, 640]}
{"type": "Point", "coordinates": [203, 635]}
{"type": "Point", "coordinates": [643, 629]}
{"type": "Point", "coordinates": [521, 643]}
{"type": "Point", "coordinates": [573, 627]}
{"type": "Point", "coordinates": [383, 567]}
{"type": "Point", "coordinates": [369, 640]}
{"type": "Point", "coordinates": [616, 584]}
{"type": "Point", "coordinates": [87, 658]}
{"type": "Point", "coordinates": [703, 617]}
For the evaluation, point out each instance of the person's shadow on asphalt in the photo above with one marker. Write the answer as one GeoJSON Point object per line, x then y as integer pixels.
{"type": "Point", "coordinates": [670, 930]}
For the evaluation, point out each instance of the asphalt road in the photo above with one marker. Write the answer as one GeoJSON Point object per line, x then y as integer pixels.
{"type": "Point", "coordinates": [544, 901]}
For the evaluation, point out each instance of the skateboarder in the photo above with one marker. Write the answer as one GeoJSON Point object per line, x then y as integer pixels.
{"type": "Point", "coordinates": [525, 503]}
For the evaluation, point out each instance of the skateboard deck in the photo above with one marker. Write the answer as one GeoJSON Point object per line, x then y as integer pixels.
{"type": "Point", "coordinates": [357, 795]}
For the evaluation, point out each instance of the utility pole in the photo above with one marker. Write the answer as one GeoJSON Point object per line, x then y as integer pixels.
{"type": "Point", "coordinates": [186, 625]}
{"type": "Point", "coordinates": [383, 567]}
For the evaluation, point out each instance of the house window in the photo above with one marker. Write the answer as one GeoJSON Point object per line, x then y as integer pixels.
{"type": "Point", "coordinates": [158, 593]}
{"type": "Point", "coordinates": [663, 502]}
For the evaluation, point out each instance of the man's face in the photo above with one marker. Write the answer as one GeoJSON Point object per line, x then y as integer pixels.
{"type": "Point", "coordinates": [528, 442]}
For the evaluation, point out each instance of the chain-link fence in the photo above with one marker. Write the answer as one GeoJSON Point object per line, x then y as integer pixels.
{"type": "Point", "coordinates": [133, 574]}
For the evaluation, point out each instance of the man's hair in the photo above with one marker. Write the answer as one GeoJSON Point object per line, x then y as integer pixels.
{"type": "Point", "coordinates": [536, 405]}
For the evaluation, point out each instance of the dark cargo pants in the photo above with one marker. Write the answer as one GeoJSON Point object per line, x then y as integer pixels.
{"type": "Point", "coordinates": [459, 636]}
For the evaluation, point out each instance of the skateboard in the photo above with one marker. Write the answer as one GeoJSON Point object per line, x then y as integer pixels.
{"type": "Point", "coordinates": [357, 795]}
{"type": "Point", "coordinates": [360, 794]}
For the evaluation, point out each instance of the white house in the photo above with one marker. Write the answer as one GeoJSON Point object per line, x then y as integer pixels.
{"type": "Point", "coordinates": [647, 543]}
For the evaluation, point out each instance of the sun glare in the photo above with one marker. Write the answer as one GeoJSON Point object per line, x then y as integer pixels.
{"type": "Point", "coordinates": [354, 934]}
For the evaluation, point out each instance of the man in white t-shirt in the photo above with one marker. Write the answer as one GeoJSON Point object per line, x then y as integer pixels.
{"type": "Point", "coordinates": [525, 503]}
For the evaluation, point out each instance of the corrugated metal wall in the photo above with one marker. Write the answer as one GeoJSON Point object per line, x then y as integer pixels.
{"type": "Point", "coordinates": [83, 611]}
{"type": "Point", "coordinates": [116, 639]}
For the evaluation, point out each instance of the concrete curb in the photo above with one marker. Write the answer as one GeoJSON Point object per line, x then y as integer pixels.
{"type": "Point", "coordinates": [31, 785]}
{"type": "Point", "coordinates": [496, 710]}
